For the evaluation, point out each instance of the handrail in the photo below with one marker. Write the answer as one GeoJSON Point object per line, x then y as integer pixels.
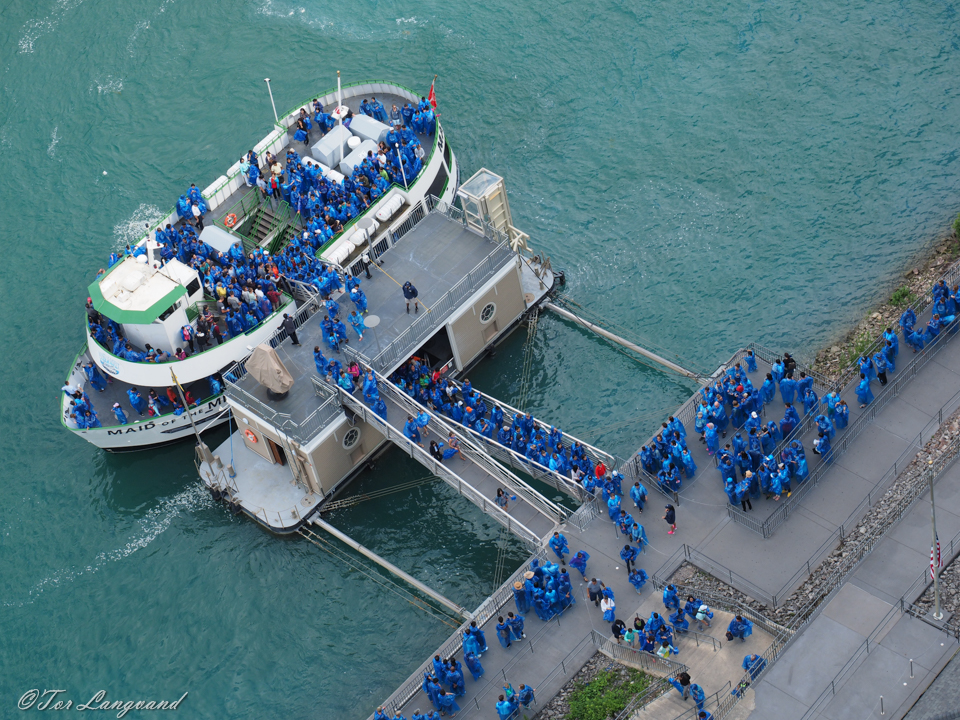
{"type": "Point", "coordinates": [284, 304]}
{"type": "Point", "coordinates": [892, 390]}
{"type": "Point", "coordinates": [647, 661]}
{"type": "Point", "coordinates": [546, 507]}
{"type": "Point", "coordinates": [442, 471]}
{"type": "Point", "coordinates": [596, 453]}
{"type": "Point", "coordinates": [696, 635]}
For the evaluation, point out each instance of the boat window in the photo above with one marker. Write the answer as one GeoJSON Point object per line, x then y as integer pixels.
{"type": "Point", "coordinates": [489, 310]}
{"type": "Point", "coordinates": [169, 311]}
{"type": "Point", "coordinates": [351, 438]}
{"type": "Point", "coordinates": [193, 286]}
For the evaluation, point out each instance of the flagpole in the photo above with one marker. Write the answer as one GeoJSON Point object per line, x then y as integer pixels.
{"type": "Point", "coordinates": [934, 561]}
{"type": "Point", "coordinates": [339, 117]}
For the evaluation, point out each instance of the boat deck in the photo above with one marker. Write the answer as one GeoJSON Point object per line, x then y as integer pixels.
{"type": "Point", "coordinates": [437, 254]}
{"type": "Point", "coordinates": [229, 205]}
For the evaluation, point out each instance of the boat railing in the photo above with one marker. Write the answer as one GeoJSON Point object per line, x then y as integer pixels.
{"type": "Point", "coordinates": [400, 348]}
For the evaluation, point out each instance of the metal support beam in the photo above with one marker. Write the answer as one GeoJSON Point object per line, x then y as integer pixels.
{"type": "Point", "coordinates": [387, 565]}
{"type": "Point", "coordinates": [620, 341]}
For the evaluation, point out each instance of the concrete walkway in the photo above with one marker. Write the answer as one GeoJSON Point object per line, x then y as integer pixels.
{"type": "Point", "coordinates": [868, 606]}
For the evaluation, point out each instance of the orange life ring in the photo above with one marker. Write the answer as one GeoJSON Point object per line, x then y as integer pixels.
{"type": "Point", "coordinates": [248, 434]}
{"type": "Point", "coordinates": [230, 220]}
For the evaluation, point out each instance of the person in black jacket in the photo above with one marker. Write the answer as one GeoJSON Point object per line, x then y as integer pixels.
{"type": "Point", "coordinates": [290, 326]}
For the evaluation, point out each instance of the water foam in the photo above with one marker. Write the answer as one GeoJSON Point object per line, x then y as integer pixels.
{"type": "Point", "coordinates": [133, 228]}
{"type": "Point", "coordinates": [54, 141]}
{"type": "Point", "coordinates": [151, 526]}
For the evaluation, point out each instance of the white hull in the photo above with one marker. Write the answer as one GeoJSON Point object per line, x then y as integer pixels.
{"type": "Point", "coordinates": [140, 432]}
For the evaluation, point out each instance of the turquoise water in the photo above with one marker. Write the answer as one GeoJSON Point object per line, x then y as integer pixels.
{"type": "Point", "coordinates": [706, 173]}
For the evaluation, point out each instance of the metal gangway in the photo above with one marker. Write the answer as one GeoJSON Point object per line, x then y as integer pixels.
{"type": "Point", "coordinates": [521, 463]}
{"type": "Point", "coordinates": [473, 474]}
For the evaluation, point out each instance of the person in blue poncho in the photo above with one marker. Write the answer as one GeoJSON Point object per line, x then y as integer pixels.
{"type": "Point", "coordinates": [679, 622]}
{"type": "Point", "coordinates": [712, 438]}
{"type": "Point", "coordinates": [479, 635]}
{"type": "Point", "coordinates": [503, 633]}
{"type": "Point", "coordinates": [412, 431]}
{"type": "Point", "coordinates": [739, 627]}
{"type": "Point", "coordinates": [788, 389]}
{"type": "Point", "coordinates": [471, 645]}
{"type": "Point", "coordinates": [810, 401]}
{"type": "Point", "coordinates": [448, 704]}
{"type": "Point", "coordinates": [319, 360]}
{"type": "Point", "coordinates": [520, 598]}
{"type": "Point", "coordinates": [579, 563]}
{"type": "Point", "coordinates": [558, 543]}
{"type": "Point", "coordinates": [455, 678]}
{"type": "Point", "coordinates": [93, 375]}
{"type": "Point", "coordinates": [525, 694]}
{"type": "Point", "coordinates": [842, 414]}
{"type": "Point", "coordinates": [768, 389]}
{"type": "Point", "coordinates": [357, 322]}
{"type": "Point", "coordinates": [380, 408]}
{"type": "Point", "coordinates": [136, 400]}
{"type": "Point", "coordinates": [381, 715]}
{"type": "Point", "coordinates": [473, 665]}
{"type": "Point", "coordinates": [359, 299]}
{"type": "Point", "coordinates": [751, 361]}
{"type": "Point", "coordinates": [629, 554]}
{"type": "Point", "coordinates": [516, 623]}
{"type": "Point", "coordinates": [825, 426]}
{"type": "Point", "coordinates": [753, 664]}
{"type": "Point", "coordinates": [670, 599]}
{"type": "Point", "coordinates": [864, 394]}
{"type": "Point", "coordinates": [613, 507]}
{"type": "Point", "coordinates": [638, 493]}
{"type": "Point", "coordinates": [821, 447]}
{"type": "Point", "coordinates": [506, 709]}
{"type": "Point", "coordinates": [638, 578]}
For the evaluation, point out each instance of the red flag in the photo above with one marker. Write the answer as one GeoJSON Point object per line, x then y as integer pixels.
{"type": "Point", "coordinates": [432, 96]}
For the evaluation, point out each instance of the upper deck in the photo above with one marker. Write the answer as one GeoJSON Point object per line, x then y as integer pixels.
{"type": "Point", "coordinates": [444, 259]}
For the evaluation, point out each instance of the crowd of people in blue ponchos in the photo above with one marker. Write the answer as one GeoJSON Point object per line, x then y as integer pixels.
{"type": "Point", "coordinates": [81, 410]}
{"type": "Point", "coordinates": [761, 457]}
{"type": "Point", "coordinates": [398, 160]}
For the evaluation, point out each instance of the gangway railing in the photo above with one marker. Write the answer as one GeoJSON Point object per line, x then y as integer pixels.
{"type": "Point", "coordinates": [530, 538]}
{"type": "Point", "coordinates": [475, 453]}
{"type": "Point", "coordinates": [596, 454]}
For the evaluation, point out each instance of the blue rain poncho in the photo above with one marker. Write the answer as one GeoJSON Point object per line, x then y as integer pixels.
{"type": "Point", "coordinates": [788, 389]}
{"type": "Point", "coordinates": [670, 599]}
{"type": "Point", "coordinates": [713, 438]}
{"type": "Point", "coordinates": [638, 578]}
{"type": "Point", "coordinates": [579, 562]}
{"type": "Point", "coordinates": [558, 543]}
{"type": "Point", "coordinates": [504, 635]}
{"type": "Point", "coordinates": [679, 622]}
{"type": "Point", "coordinates": [810, 401]}
{"type": "Point", "coordinates": [742, 628]}
{"type": "Point", "coordinates": [516, 626]}
{"type": "Point", "coordinates": [842, 415]}
{"type": "Point", "coordinates": [470, 646]}
{"type": "Point", "coordinates": [472, 662]}
{"type": "Point", "coordinates": [411, 431]}
{"type": "Point", "coordinates": [753, 665]}
{"type": "Point", "coordinates": [628, 553]}
{"type": "Point", "coordinates": [118, 412]}
{"type": "Point", "coordinates": [751, 361]}
{"type": "Point", "coordinates": [864, 394]}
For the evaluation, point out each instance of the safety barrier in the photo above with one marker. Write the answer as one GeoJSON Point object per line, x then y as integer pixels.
{"type": "Point", "coordinates": [531, 539]}
{"type": "Point", "coordinates": [648, 662]}
{"type": "Point", "coordinates": [769, 526]}
{"type": "Point", "coordinates": [472, 451]}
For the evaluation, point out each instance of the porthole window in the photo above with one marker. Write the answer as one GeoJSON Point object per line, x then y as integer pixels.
{"type": "Point", "coordinates": [488, 313]}
{"type": "Point", "coordinates": [351, 439]}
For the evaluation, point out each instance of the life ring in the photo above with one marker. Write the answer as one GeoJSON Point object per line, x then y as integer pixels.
{"type": "Point", "coordinates": [248, 434]}
{"type": "Point", "coordinates": [230, 220]}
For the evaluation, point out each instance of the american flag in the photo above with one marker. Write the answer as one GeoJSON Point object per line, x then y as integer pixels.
{"type": "Point", "coordinates": [936, 561]}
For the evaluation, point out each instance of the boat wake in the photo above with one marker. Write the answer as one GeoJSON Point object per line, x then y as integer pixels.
{"type": "Point", "coordinates": [151, 526]}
